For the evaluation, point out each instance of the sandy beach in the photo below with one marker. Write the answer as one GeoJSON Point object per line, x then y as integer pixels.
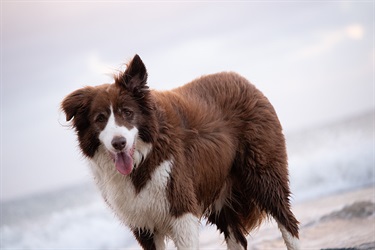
{"type": "Point", "coordinates": [344, 220]}
{"type": "Point", "coordinates": [339, 221]}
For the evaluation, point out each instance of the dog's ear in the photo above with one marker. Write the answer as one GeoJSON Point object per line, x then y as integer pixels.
{"type": "Point", "coordinates": [76, 103]}
{"type": "Point", "coordinates": [134, 79]}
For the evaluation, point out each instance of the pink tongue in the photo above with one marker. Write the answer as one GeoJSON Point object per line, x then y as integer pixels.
{"type": "Point", "coordinates": [124, 163]}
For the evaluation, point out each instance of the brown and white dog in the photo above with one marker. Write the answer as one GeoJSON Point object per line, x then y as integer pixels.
{"type": "Point", "coordinates": [212, 148]}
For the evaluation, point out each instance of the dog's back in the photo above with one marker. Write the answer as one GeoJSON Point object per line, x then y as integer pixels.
{"type": "Point", "coordinates": [233, 150]}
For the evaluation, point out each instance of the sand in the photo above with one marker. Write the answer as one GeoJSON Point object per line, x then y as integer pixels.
{"type": "Point", "coordinates": [340, 221]}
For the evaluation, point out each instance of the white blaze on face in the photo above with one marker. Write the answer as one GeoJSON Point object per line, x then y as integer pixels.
{"type": "Point", "coordinates": [123, 158]}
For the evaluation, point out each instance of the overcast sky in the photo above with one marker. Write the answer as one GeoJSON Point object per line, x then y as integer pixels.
{"type": "Point", "coordinates": [313, 59]}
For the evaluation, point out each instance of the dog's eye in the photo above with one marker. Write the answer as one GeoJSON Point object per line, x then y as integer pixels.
{"type": "Point", "coordinates": [127, 113]}
{"type": "Point", "coordinates": [101, 118]}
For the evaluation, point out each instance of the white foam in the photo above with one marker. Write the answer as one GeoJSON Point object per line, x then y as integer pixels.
{"type": "Point", "coordinates": [332, 159]}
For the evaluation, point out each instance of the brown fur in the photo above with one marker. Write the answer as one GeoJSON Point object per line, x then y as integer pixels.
{"type": "Point", "coordinates": [220, 131]}
{"type": "Point", "coordinates": [228, 131]}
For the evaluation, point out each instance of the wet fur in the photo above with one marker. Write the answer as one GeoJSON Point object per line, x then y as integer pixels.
{"type": "Point", "coordinates": [221, 138]}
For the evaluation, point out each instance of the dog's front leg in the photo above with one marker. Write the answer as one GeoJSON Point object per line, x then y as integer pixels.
{"type": "Point", "coordinates": [185, 232]}
{"type": "Point", "coordinates": [149, 240]}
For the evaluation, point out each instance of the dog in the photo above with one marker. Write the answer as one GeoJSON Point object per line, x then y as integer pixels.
{"type": "Point", "coordinates": [213, 149]}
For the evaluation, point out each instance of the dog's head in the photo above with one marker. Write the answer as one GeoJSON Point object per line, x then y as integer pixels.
{"type": "Point", "coordinates": [118, 118]}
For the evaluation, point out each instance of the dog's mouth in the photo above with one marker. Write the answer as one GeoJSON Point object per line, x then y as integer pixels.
{"type": "Point", "coordinates": [123, 161]}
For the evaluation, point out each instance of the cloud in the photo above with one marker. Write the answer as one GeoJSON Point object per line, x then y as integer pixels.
{"type": "Point", "coordinates": [324, 41]}
{"type": "Point", "coordinates": [97, 66]}
{"type": "Point", "coordinates": [355, 31]}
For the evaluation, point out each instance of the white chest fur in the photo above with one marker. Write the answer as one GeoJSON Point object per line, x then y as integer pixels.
{"type": "Point", "coordinates": [147, 209]}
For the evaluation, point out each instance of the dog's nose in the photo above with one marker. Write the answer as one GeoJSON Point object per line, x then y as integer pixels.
{"type": "Point", "coordinates": [119, 143]}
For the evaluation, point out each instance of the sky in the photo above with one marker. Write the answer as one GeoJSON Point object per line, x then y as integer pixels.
{"type": "Point", "coordinates": [314, 60]}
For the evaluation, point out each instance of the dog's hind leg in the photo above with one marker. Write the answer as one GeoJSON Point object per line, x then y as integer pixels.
{"type": "Point", "coordinates": [290, 241]}
{"type": "Point", "coordinates": [236, 240]}
{"type": "Point", "coordinates": [227, 222]}
{"type": "Point", "coordinates": [271, 193]}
